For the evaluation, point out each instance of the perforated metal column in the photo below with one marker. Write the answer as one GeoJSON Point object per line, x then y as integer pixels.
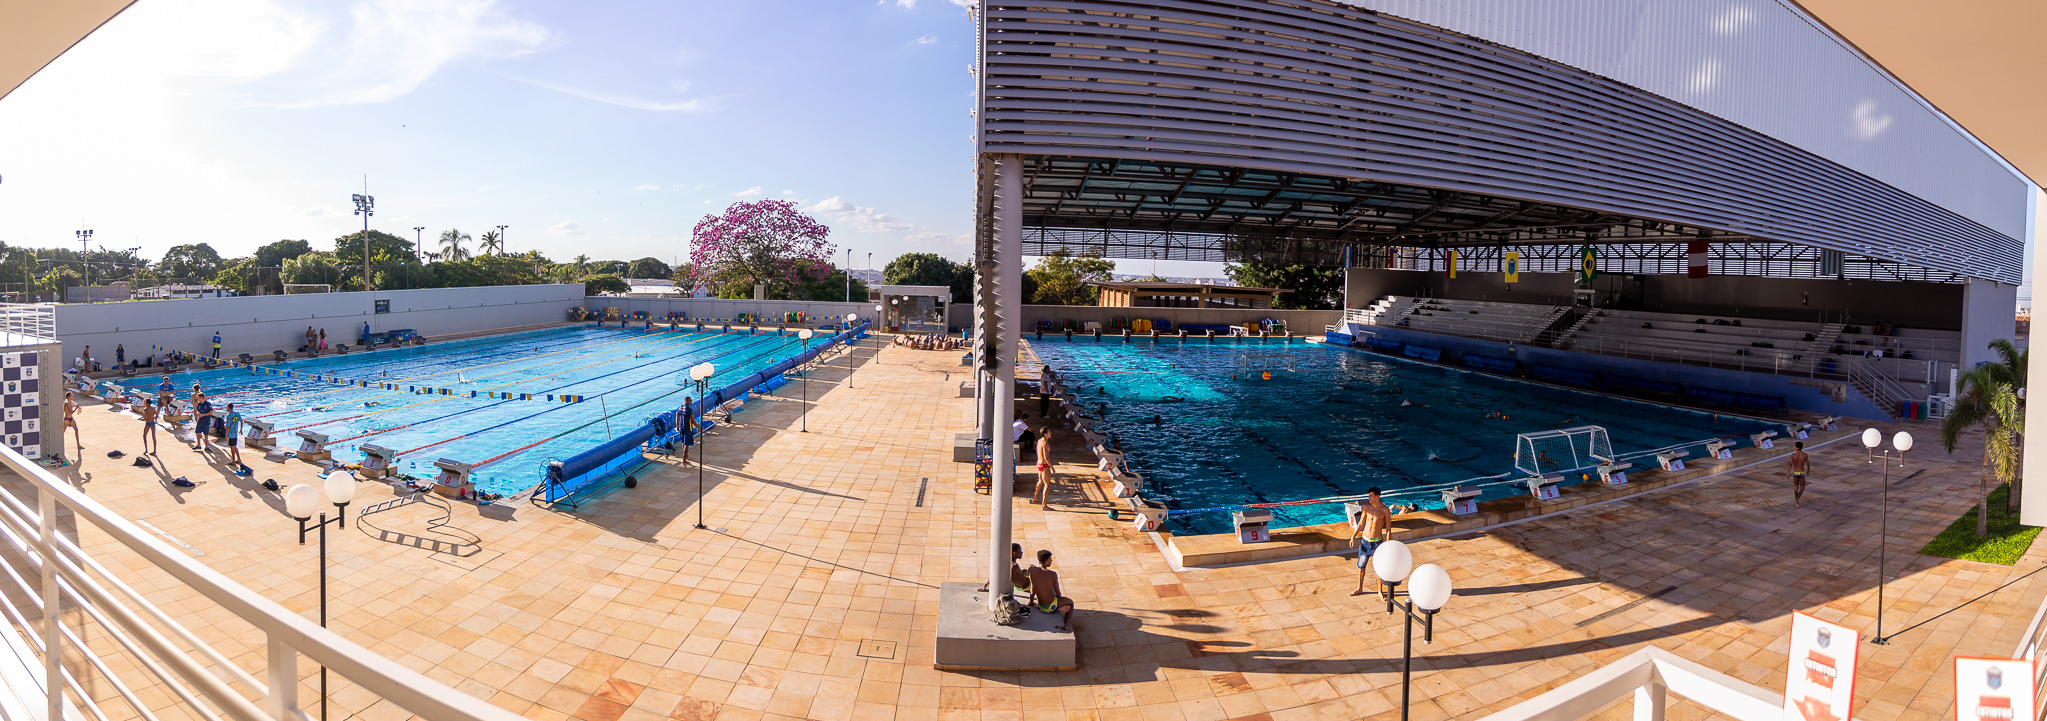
{"type": "Point", "coordinates": [1002, 279]}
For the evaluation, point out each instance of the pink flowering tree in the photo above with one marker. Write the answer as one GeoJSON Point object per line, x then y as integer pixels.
{"type": "Point", "coordinates": [763, 241]}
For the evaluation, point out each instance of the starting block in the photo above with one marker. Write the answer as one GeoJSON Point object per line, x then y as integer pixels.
{"type": "Point", "coordinates": [1253, 525]}
{"type": "Point", "coordinates": [262, 433]}
{"type": "Point", "coordinates": [1128, 483]}
{"type": "Point", "coordinates": [1799, 431]}
{"type": "Point", "coordinates": [1828, 423]}
{"type": "Point", "coordinates": [1762, 440]}
{"type": "Point", "coordinates": [1460, 501]}
{"type": "Point", "coordinates": [377, 461]}
{"type": "Point", "coordinates": [313, 446]}
{"type": "Point", "coordinates": [1673, 461]}
{"type": "Point", "coordinates": [1614, 474]}
{"type": "Point", "coordinates": [1544, 487]}
{"type": "Point", "coordinates": [1150, 516]}
{"type": "Point", "coordinates": [1721, 450]}
{"type": "Point", "coordinates": [453, 481]}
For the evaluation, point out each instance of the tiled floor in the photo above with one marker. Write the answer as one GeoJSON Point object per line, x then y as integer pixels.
{"type": "Point", "coordinates": [813, 591]}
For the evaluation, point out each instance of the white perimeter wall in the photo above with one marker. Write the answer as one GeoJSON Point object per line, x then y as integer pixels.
{"type": "Point", "coordinates": [720, 308]}
{"type": "Point", "coordinates": [260, 324]}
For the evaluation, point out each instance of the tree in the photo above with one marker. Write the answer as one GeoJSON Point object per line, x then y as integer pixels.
{"type": "Point", "coordinates": [385, 249]}
{"type": "Point", "coordinates": [1990, 399]}
{"type": "Point", "coordinates": [831, 288]}
{"type": "Point", "coordinates": [647, 268]}
{"type": "Point", "coordinates": [490, 241]}
{"type": "Point", "coordinates": [272, 256]}
{"type": "Point", "coordinates": [314, 267]}
{"type": "Point", "coordinates": [579, 262]}
{"type": "Point", "coordinates": [931, 269]}
{"type": "Point", "coordinates": [239, 276]}
{"type": "Point", "coordinates": [60, 278]}
{"type": "Point", "coordinates": [604, 283]}
{"type": "Point", "coordinates": [451, 245]}
{"type": "Point", "coordinates": [196, 262]}
{"type": "Point", "coordinates": [1065, 279]}
{"type": "Point", "coordinates": [1308, 287]}
{"type": "Point", "coordinates": [758, 242]}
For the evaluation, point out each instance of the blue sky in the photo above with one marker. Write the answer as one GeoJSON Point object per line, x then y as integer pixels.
{"type": "Point", "coordinates": [605, 129]}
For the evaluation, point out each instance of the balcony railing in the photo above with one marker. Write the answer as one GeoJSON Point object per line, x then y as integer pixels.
{"type": "Point", "coordinates": [1650, 675]}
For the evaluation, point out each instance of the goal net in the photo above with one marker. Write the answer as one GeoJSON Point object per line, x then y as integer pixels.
{"type": "Point", "coordinates": [1561, 450]}
{"type": "Point", "coordinates": [297, 288]}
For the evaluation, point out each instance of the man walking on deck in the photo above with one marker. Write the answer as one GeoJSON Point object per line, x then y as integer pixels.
{"type": "Point", "coordinates": [1372, 528]}
{"type": "Point", "coordinates": [1800, 466]}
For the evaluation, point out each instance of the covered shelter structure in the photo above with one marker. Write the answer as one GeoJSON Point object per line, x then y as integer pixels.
{"type": "Point", "coordinates": [1142, 294]}
{"type": "Point", "coordinates": [911, 308]}
{"type": "Point", "coordinates": [1375, 134]}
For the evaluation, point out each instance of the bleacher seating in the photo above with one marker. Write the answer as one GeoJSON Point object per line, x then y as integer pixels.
{"type": "Point", "coordinates": [1510, 322]}
{"type": "Point", "coordinates": [1719, 340]}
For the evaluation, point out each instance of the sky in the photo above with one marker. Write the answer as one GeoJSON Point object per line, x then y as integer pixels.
{"type": "Point", "coordinates": [601, 129]}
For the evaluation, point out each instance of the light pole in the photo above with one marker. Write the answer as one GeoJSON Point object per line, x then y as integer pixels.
{"type": "Point", "coordinates": [849, 275]}
{"type": "Point", "coordinates": [805, 334]}
{"type": "Point", "coordinates": [365, 206]}
{"type": "Point", "coordinates": [418, 240]}
{"type": "Point", "coordinates": [301, 501]}
{"type": "Point", "coordinates": [701, 373]}
{"type": "Point", "coordinates": [85, 256]}
{"type": "Point", "coordinates": [501, 239]}
{"type": "Point", "coordinates": [1430, 591]}
{"type": "Point", "coordinates": [1871, 437]}
{"type": "Point", "coordinates": [852, 319]}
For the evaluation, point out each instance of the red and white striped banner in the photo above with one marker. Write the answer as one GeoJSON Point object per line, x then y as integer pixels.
{"type": "Point", "coordinates": [1697, 264]}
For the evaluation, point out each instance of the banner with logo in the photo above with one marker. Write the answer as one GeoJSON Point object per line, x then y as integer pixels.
{"type": "Point", "coordinates": [1819, 682]}
{"type": "Point", "coordinates": [1453, 264]}
{"type": "Point", "coordinates": [1587, 266]}
{"type": "Point", "coordinates": [1513, 266]}
{"type": "Point", "coordinates": [1994, 689]}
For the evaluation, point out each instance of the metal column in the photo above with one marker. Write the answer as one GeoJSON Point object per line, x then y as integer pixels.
{"type": "Point", "coordinates": [1004, 277]}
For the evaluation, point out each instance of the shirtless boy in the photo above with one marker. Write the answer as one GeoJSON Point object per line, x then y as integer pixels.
{"type": "Point", "coordinates": [1372, 529]}
{"type": "Point", "coordinates": [1800, 466]}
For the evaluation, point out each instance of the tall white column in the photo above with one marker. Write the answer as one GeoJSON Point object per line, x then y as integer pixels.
{"type": "Point", "coordinates": [1008, 302]}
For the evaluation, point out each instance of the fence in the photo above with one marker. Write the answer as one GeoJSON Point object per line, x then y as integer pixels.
{"type": "Point", "coordinates": [2029, 649]}
{"type": "Point", "coordinates": [62, 595]}
{"type": "Point", "coordinates": [1650, 676]}
{"type": "Point", "coordinates": [36, 320]}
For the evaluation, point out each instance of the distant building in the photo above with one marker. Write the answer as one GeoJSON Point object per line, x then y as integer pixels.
{"type": "Point", "coordinates": [115, 291]}
{"type": "Point", "coordinates": [184, 290]}
{"type": "Point", "coordinates": [652, 288]}
{"type": "Point", "coordinates": [1183, 295]}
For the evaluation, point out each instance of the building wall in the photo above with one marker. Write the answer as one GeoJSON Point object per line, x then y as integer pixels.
{"type": "Point", "coordinates": [260, 324]}
{"type": "Point", "coordinates": [1802, 394]}
{"type": "Point", "coordinates": [721, 308]}
{"type": "Point", "coordinates": [1299, 321]}
{"type": "Point", "coordinates": [1933, 306]}
{"type": "Point", "coordinates": [1988, 313]}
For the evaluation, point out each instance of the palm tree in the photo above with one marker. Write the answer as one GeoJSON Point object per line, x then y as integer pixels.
{"type": "Point", "coordinates": [492, 241]}
{"type": "Point", "coordinates": [1990, 399]}
{"type": "Point", "coordinates": [580, 262]}
{"type": "Point", "coordinates": [451, 245]}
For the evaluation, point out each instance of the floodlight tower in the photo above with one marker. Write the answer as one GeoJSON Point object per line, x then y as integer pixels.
{"type": "Point", "coordinates": [365, 206]}
{"type": "Point", "coordinates": [85, 256]}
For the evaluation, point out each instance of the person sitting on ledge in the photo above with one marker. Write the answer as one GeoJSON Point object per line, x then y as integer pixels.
{"type": "Point", "coordinates": [1045, 596]}
{"type": "Point", "coordinates": [1018, 579]}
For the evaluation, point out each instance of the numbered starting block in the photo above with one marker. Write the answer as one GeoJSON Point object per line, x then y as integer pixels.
{"type": "Point", "coordinates": [1798, 431]}
{"type": "Point", "coordinates": [1149, 516]}
{"type": "Point", "coordinates": [1614, 474]}
{"type": "Point", "coordinates": [1460, 502]}
{"type": "Point", "coordinates": [110, 390]}
{"type": "Point", "coordinates": [453, 482]}
{"type": "Point", "coordinates": [1762, 440]}
{"type": "Point", "coordinates": [1544, 487]}
{"type": "Point", "coordinates": [377, 461]}
{"type": "Point", "coordinates": [1128, 482]}
{"type": "Point", "coordinates": [1253, 525]}
{"type": "Point", "coordinates": [1828, 423]}
{"type": "Point", "coordinates": [262, 433]}
{"type": "Point", "coordinates": [1673, 461]}
{"type": "Point", "coordinates": [1721, 450]}
{"type": "Point", "coordinates": [313, 446]}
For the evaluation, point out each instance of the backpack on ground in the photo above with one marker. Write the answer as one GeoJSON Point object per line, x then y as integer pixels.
{"type": "Point", "coordinates": [1008, 612]}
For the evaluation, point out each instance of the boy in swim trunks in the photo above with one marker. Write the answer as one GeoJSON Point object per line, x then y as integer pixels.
{"type": "Point", "coordinates": [71, 420]}
{"type": "Point", "coordinates": [1045, 592]}
{"type": "Point", "coordinates": [1018, 578]}
{"type": "Point", "coordinates": [1800, 466]}
{"type": "Point", "coordinates": [149, 427]}
{"type": "Point", "coordinates": [1044, 451]}
{"type": "Point", "coordinates": [233, 426]}
{"type": "Point", "coordinates": [1373, 526]}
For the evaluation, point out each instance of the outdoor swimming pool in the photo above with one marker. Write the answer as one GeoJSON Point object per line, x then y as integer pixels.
{"type": "Point", "coordinates": [1329, 423]}
{"type": "Point", "coordinates": [622, 376]}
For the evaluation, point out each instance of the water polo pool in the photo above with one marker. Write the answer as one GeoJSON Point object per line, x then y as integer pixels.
{"type": "Point", "coordinates": [1330, 422]}
{"type": "Point", "coordinates": [620, 377]}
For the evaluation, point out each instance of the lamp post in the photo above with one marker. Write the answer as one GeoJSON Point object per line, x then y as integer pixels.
{"type": "Point", "coordinates": [301, 501]}
{"type": "Point", "coordinates": [418, 240]}
{"type": "Point", "coordinates": [852, 319]}
{"type": "Point", "coordinates": [701, 373]}
{"type": "Point", "coordinates": [501, 239]}
{"type": "Point", "coordinates": [849, 275]}
{"type": "Point", "coordinates": [365, 206]}
{"type": "Point", "coordinates": [1902, 442]}
{"type": "Point", "coordinates": [806, 334]}
{"type": "Point", "coordinates": [1430, 591]}
{"type": "Point", "coordinates": [85, 256]}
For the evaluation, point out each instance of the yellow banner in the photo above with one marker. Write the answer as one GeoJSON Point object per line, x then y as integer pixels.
{"type": "Point", "coordinates": [1513, 266]}
{"type": "Point", "coordinates": [1453, 264]}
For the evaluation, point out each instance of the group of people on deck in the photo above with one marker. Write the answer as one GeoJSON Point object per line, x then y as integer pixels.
{"type": "Point", "coordinates": [1039, 584]}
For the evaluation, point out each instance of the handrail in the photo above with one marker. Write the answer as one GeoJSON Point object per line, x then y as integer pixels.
{"type": "Point", "coordinates": [2029, 649]}
{"type": "Point", "coordinates": [1650, 675]}
{"type": "Point", "coordinates": [288, 633]}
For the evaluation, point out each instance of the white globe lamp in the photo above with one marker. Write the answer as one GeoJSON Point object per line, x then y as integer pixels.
{"type": "Point", "coordinates": [301, 501]}
{"type": "Point", "coordinates": [1872, 437]}
{"type": "Point", "coordinates": [1902, 441]}
{"type": "Point", "coordinates": [1392, 561]}
{"type": "Point", "coordinates": [1430, 587]}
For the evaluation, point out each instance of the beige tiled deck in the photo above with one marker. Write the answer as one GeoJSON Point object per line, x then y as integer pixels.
{"type": "Point", "coordinates": [813, 592]}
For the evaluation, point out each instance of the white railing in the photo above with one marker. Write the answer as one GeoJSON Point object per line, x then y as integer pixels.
{"type": "Point", "coordinates": [1650, 675]}
{"type": "Point", "coordinates": [41, 518]}
{"type": "Point", "coordinates": [2029, 649]}
{"type": "Point", "coordinates": [29, 319]}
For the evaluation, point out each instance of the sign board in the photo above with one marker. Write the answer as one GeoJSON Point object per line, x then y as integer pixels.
{"type": "Point", "coordinates": [1994, 689]}
{"type": "Point", "coordinates": [1819, 682]}
{"type": "Point", "coordinates": [1513, 266]}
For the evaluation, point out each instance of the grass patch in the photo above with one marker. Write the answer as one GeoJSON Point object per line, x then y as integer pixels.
{"type": "Point", "coordinates": [2004, 545]}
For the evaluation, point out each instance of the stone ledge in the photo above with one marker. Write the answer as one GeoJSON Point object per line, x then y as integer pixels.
{"type": "Point", "coordinates": [969, 640]}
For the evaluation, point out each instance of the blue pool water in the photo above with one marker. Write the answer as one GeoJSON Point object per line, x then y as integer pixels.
{"type": "Point", "coordinates": [1330, 423]}
{"type": "Point", "coordinates": [628, 374]}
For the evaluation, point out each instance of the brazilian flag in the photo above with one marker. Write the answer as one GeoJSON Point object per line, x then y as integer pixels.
{"type": "Point", "coordinates": [1587, 265]}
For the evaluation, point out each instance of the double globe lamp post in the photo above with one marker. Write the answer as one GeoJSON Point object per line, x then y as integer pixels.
{"type": "Point", "coordinates": [302, 501]}
{"type": "Point", "coordinates": [1900, 443]}
{"type": "Point", "coordinates": [852, 319]}
{"type": "Point", "coordinates": [1429, 590]}
{"type": "Point", "coordinates": [701, 373]}
{"type": "Point", "coordinates": [806, 335]}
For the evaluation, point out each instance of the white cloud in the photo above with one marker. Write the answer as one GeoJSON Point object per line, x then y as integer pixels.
{"type": "Point", "coordinates": [621, 99]}
{"type": "Point", "coordinates": [748, 193]}
{"type": "Point", "coordinates": [788, 192]}
{"type": "Point", "coordinates": [568, 227]}
{"type": "Point", "coordinates": [925, 40]}
{"type": "Point", "coordinates": [907, 4]}
{"type": "Point", "coordinates": [646, 186]}
{"type": "Point", "coordinates": [863, 219]}
{"type": "Point", "coordinates": [394, 46]}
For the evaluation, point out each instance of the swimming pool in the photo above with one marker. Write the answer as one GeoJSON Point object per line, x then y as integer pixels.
{"type": "Point", "coordinates": [622, 376]}
{"type": "Point", "coordinates": [1330, 422]}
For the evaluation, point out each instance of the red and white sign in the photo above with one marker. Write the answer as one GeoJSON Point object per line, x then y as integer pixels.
{"type": "Point", "coordinates": [1994, 689]}
{"type": "Point", "coordinates": [1819, 679]}
{"type": "Point", "coordinates": [1695, 252]}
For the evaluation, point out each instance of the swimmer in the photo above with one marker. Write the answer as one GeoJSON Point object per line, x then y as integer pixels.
{"type": "Point", "coordinates": [372, 404]}
{"type": "Point", "coordinates": [1158, 419]}
{"type": "Point", "coordinates": [1171, 399]}
{"type": "Point", "coordinates": [1405, 403]}
{"type": "Point", "coordinates": [1440, 459]}
{"type": "Point", "coordinates": [1496, 415]}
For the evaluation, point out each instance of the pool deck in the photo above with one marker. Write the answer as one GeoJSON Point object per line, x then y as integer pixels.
{"type": "Point", "coordinates": [813, 594]}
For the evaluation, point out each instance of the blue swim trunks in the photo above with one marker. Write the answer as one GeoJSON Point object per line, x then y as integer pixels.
{"type": "Point", "coordinates": [1365, 548]}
